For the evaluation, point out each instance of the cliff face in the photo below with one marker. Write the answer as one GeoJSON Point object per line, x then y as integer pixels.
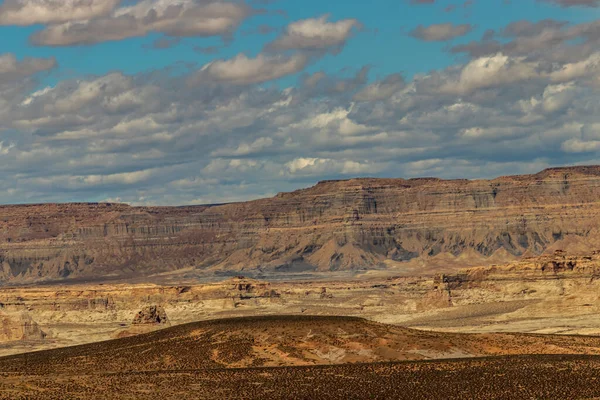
{"type": "Point", "coordinates": [335, 225]}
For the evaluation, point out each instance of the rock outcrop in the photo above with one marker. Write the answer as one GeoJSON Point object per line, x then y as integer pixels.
{"type": "Point", "coordinates": [151, 315]}
{"type": "Point", "coordinates": [19, 327]}
{"type": "Point", "coordinates": [554, 293]}
{"type": "Point", "coordinates": [334, 226]}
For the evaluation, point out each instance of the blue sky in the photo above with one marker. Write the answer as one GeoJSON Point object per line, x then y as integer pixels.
{"type": "Point", "coordinates": [313, 89]}
{"type": "Point", "coordinates": [383, 44]}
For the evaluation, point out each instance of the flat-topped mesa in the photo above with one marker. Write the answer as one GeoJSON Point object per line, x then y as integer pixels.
{"type": "Point", "coordinates": [348, 224]}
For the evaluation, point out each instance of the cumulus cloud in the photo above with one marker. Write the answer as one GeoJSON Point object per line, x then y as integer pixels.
{"type": "Point", "coordinates": [491, 71]}
{"type": "Point", "coordinates": [318, 166]}
{"type": "Point", "coordinates": [580, 146]}
{"type": "Point", "coordinates": [381, 90]}
{"type": "Point", "coordinates": [32, 12]}
{"type": "Point", "coordinates": [243, 70]}
{"type": "Point", "coordinates": [11, 68]}
{"type": "Point", "coordinates": [228, 138]}
{"type": "Point", "coordinates": [440, 32]}
{"type": "Point", "coordinates": [173, 18]}
{"type": "Point", "coordinates": [549, 40]}
{"type": "Point", "coordinates": [315, 34]}
{"type": "Point", "coordinates": [322, 84]}
{"type": "Point", "coordinates": [245, 149]}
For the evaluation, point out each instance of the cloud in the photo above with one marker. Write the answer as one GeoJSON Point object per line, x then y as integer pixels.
{"type": "Point", "coordinates": [381, 90]}
{"type": "Point", "coordinates": [32, 12]}
{"type": "Point", "coordinates": [550, 40]}
{"type": "Point", "coordinates": [11, 68]}
{"type": "Point", "coordinates": [245, 149]}
{"type": "Point", "coordinates": [580, 146]}
{"type": "Point", "coordinates": [322, 84]}
{"type": "Point", "coordinates": [486, 72]}
{"type": "Point", "coordinates": [528, 28]}
{"type": "Point", "coordinates": [315, 34]}
{"type": "Point", "coordinates": [317, 166]}
{"type": "Point", "coordinates": [440, 32]}
{"type": "Point", "coordinates": [574, 3]}
{"type": "Point", "coordinates": [242, 70]}
{"type": "Point", "coordinates": [158, 139]}
{"type": "Point", "coordinates": [206, 49]}
{"type": "Point", "coordinates": [165, 43]}
{"type": "Point", "coordinates": [179, 18]}
{"type": "Point", "coordinates": [589, 67]}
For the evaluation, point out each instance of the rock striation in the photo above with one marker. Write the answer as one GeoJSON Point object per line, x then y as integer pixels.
{"type": "Point", "coordinates": [333, 226]}
{"type": "Point", "coordinates": [554, 293]}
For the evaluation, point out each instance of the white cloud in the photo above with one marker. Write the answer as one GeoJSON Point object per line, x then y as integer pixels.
{"type": "Point", "coordinates": [165, 141]}
{"type": "Point", "coordinates": [576, 145]}
{"type": "Point", "coordinates": [315, 34]}
{"type": "Point", "coordinates": [242, 70]}
{"type": "Point", "coordinates": [491, 71]}
{"type": "Point", "coordinates": [319, 166]}
{"type": "Point", "coordinates": [32, 12]}
{"type": "Point", "coordinates": [175, 18]}
{"type": "Point", "coordinates": [585, 68]}
{"type": "Point", "coordinates": [244, 149]}
{"type": "Point", "coordinates": [5, 148]}
{"type": "Point", "coordinates": [557, 97]}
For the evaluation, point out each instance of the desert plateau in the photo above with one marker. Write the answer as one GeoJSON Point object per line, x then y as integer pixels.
{"type": "Point", "coordinates": [355, 296]}
{"type": "Point", "coordinates": [305, 200]}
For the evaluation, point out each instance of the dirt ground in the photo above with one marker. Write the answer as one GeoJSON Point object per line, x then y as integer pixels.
{"type": "Point", "coordinates": [309, 357]}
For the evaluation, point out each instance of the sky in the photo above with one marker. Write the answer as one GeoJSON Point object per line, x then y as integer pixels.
{"type": "Point", "coordinates": [171, 102]}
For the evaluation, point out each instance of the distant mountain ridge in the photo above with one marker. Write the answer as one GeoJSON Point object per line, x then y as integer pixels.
{"type": "Point", "coordinates": [354, 224]}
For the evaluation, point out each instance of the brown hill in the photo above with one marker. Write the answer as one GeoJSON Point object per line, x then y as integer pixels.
{"type": "Point", "coordinates": [334, 226]}
{"type": "Point", "coordinates": [227, 359]}
{"type": "Point", "coordinates": [288, 341]}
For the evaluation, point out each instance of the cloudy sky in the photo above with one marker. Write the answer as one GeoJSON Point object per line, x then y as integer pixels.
{"type": "Point", "coordinates": [199, 101]}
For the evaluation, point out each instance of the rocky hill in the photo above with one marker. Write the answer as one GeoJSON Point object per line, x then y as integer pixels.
{"type": "Point", "coordinates": [345, 225]}
{"type": "Point", "coordinates": [286, 340]}
{"type": "Point", "coordinates": [308, 357]}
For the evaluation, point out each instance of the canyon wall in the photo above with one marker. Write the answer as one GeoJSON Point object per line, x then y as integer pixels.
{"type": "Point", "coordinates": [346, 225]}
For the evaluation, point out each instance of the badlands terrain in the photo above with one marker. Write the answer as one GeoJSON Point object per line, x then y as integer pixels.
{"type": "Point", "coordinates": [420, 288]}
{"type": "Point", "coordinates": [335, 228]}
{"type": "Point", "coordinates": [546, 294]}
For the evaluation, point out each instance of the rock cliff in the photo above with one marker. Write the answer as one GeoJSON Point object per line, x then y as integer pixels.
{"type": "Point", "coordinates": [19, 326]}
{"type": "Point", "coordinates": [334, 226]}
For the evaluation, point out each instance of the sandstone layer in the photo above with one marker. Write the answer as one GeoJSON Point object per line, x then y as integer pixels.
{"type": "Point", "coordinates": [558, 293]}
{"type": "Point", "coordinates": [395, 224]}
{"type": "Point", "coordinates": [19, 326]}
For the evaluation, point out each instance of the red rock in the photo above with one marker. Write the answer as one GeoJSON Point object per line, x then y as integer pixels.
{"type": "Point", "coordinates": [335, 225]}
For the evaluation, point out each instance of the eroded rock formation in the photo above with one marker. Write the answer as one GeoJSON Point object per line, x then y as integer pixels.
{"type": "Point", "coordinates": [19, 327]}
{"type": "Point", "coordinates": [529, 295]}
{"type": "Point", "coordinates": [333, 226]}
{"type": "Point", "coordinates": [151, 315]}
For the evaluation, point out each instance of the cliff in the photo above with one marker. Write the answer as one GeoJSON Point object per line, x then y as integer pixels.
{"type": "Point", "coordinates": [334, 226]}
